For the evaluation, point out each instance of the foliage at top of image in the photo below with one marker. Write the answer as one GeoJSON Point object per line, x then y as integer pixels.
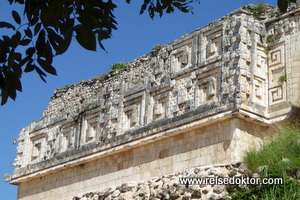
{"type": "Point", "coordinates": [261, 11]}
{"type": "Point", "coordinates": [280, 158]}
{"type": "Point", "coordinates": [284, 4]}
{"type": "Point", "coordinates": [258, 10]}
{"type": "Point", "coordinates": [47, 29]}
{"type": "Point", "coordinates": [117, 66]}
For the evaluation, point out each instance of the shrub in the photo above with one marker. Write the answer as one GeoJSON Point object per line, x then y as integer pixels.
{"type": "Point", "coordinates": [281, 155]}
{"type": "Point", "coordinates": [281, 159]}
{"type": "Point", "coordinates": [118, 66]}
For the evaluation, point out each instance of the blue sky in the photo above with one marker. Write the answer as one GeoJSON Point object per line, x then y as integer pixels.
{"type": "Point", "coordinates": [136, 35]}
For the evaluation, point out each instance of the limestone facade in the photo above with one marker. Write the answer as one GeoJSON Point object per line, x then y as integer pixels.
{"type": "Point", "coordinates": [203, 99]}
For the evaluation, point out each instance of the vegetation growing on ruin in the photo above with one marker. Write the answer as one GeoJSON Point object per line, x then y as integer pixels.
{"type": "Point", "coordinates": [258, 10]}
{"type": "Point", "coordinates": [278, 159]}
{"type": "Point", "coordinates": [118, 66]}
{"type": "Point", "coordinates": [136, 82]}
{"type": "Point", "coordinates": [271, 39]}
{"type": "Point", "coordinates": [267, 50]}
{"type": "Point", "coordinates": [282, 78]}
{"type": "Point", "coordinates": [101, 77]}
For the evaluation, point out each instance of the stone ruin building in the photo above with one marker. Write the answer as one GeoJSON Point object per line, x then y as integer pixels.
{"type": "Point", "coordinates": [201, 100]}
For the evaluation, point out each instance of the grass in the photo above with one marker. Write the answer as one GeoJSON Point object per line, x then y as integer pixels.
{"type": "Point", "coordinates": [282, 78]}
{"type": "Point", "coordinates": [118, 66]}
{"type": "Point", "coordinates": [278, 158]}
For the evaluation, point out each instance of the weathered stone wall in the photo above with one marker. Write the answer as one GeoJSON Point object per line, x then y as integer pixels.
{"type": "Point", "coordinates": [220, 142]}
{"type": "Point", "coordinates": [199, 74]}
{"type": "Point", "coordinates": [66, 98]}
{"type": "Point", "coordinates": [202, 99]}
{"type": "Point", "coordinates": [169, 187]}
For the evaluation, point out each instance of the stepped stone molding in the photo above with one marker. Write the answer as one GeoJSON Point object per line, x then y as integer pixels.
{"type": "Point", "coordinates": [203, 99]}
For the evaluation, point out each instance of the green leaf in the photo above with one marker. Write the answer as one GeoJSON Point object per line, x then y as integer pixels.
{"type": "Point", "coordinates": [47, 14]}
{"type": "Point", "coordinates": [63, 46]}
{"type": "Point", "coordinates": [4, 50]}
{"type": "Point", "coordinates": [30, 51]}
{"type": "Point", "coordinates": [101, 45]}
{"type": "Point", "coordinates": [40, 73]}
{"type": "Point", "coordinates": [282, 5]}
{"type": "Point", "coordinates": [13, 84]}
{"type": "Point", "coordinates": [25, 42]}
{"type": "Point", "coordinates": [6, 25]}
{"type": "Point", "coordinates": [15, 39]}
{"type": "Point", "coordinates": [85, 37]}
{"type": "Point", "coordinates": [3, 89]}
{"type": "Point", "coordinates": [17, 70]}
{"type": "Point", "coordinates": [7, 41]}
{"type": "Point", "coordinates": [54, 38]}
{"type": "Point", "coordinates": [33, 21]}
{"type": "Point", "coordinates": [67, 27]}
{"type": "Point", "coordinates": [4, 96]}
{"type": "Point", "coordinates": [18, 56]}
{"type": "Point", "coordinates": [16, 17]}
{"type": "Point", "coordinates": [48, 53]}
{"type": "Point", "coordinates": [37, 28]}
{"type": "Point", "coordinates": [29, 68]}
{"type": "Point", "coordinates": [22, 62]}
{"type": "Point", "coordinates": [3, 56]}
{"type": "Point", "coordinates": [170, 9]}
{"type": "Point", "coordinates": [40, 43]}
{"type": "Point", "coordinates": [47, 66]}
{"type": "Point", "coordinates": [28, 32]}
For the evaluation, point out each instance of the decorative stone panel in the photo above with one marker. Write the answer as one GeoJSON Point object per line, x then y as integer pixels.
{"type": "Point", "coordinates": [213, 42]}
{"type": "Point", "coordinates": [133, 109]}
{"type": "Point", "coordinates": [67, 140]}
{"type": "Point", "coordinates": [277, 70]}
{"type": "Point", "coordinates": [37, 147]}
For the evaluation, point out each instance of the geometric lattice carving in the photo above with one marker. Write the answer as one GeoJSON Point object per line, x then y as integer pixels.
{"type": "Point", "coordinates": [131, 116]}
{"type": "Point", "coordinates": [181, 58]}
{"type": "Point", "coordinates": [276, 56]}
{"type": "Point", "coordinates": [277, 88]}
{"type": "Point", "coordinates": [183, 54]}
{"type": "Point", "coordinates": [277, 95]}
{"type": "Point", "coordinates": [132, 110]}
{"type": "Point", "coordinates": [67, 139]}
{"type": "Point", "coordinates": [37, 147]}
{"type": "Point", "coordinates": [259, 90]}
{"type": "Point", "coordinates": [275, 73]}
{"type": "Point", "coordinates": [161, 106]}
{"type": "Point", "coordinates": [261, 59]}
{"type": "Point", "coordinates": [90, 126]}
{"type": "Point", "coordinates": [213, 45]}
{"type": "Point", "coordinates": [206, 90]}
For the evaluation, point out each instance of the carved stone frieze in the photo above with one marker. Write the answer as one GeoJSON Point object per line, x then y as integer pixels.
{"type": "Point", "coordinates": [235, 64]}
